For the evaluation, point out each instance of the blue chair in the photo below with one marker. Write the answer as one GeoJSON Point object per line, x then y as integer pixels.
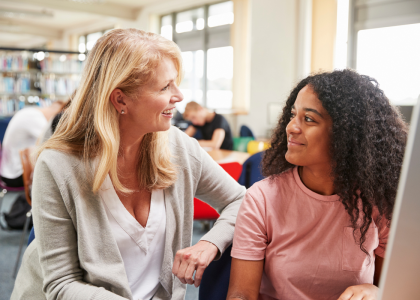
{"type": "Point", "coordinates": [31, 236]}
{"type": "Point", "coordinates": [245, 131]}
{"type": "Point", "coordinates": [215, 282]}
{"type": "Point", "coordinates": [251, 170]}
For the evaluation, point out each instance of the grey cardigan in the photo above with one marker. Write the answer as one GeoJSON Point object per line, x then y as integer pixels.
{"type": "Point", "coordinates": [74, 254]}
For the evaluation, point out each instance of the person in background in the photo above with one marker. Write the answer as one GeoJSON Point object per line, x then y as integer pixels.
{"type": "Point", "coordinates": [113, 188]}
{"type": "Point", "coordinates": [23, 131]}
{"type": "Point", "coordinates": [317, 228]}
{"type": "Point", "coordinates": [52, 124]}
{"type": "Point", "coordinates": [214, 127]}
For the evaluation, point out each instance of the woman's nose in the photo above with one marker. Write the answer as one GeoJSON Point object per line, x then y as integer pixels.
{"type": "Point", "coordinates": [293, 126]}
{"type": "Point", "coordinates": [178, 96]}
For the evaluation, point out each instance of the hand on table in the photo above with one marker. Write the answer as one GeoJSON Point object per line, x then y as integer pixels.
{"type": "Point", "coordinates": [360, 292]}
{"type": "Point", "coordinates": [195, 258]}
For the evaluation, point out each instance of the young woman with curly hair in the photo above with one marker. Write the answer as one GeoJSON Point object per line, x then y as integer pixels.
{"type": "Point", "coordinates": [317, 227]}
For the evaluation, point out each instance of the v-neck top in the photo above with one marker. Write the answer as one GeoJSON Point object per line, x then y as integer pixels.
{"type": "Point", "coordinates": [141, 247]}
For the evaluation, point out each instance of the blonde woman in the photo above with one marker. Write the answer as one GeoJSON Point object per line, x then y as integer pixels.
{"type": "Point", "coordinates": [113, 188]}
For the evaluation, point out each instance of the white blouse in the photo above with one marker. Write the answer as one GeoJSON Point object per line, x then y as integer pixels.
{"type": "Point", "coordinates": [141, 247]}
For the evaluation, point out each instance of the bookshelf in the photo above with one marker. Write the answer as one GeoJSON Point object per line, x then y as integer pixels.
{"type": "Point", "coordinates": [36, 77]}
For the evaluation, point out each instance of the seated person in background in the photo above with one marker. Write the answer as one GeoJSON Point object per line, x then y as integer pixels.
{"type": "Point", "coordinates": [23, 130]}
{"type": "Point", "coordinates": [214, 127]}
{"type": "Point", "coordinates": [52, 124]}
{"type": "Point", "coordinates": [317, 228]}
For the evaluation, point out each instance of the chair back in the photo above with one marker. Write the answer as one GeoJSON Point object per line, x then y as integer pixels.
{"type": "Point", "coordinates": [215, 281]}
{"type": "Point", "coordinates": [31, 236]}
{"type": "Point", "coordinates": [203, 211]}
{"type": "Point", "coordinates": [251, 170]}
{"type": "Point", "coordinates": [27, 173]}
{"type": "Point", "coordinates": [245, 131]}
{"type": "Point", "coordinates": [241, 143]}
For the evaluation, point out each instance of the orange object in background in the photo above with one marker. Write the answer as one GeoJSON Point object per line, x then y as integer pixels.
{"type": "Point", "coordinates": [203, 211]}
{"type": "Point", "coordinates": [257, 146]}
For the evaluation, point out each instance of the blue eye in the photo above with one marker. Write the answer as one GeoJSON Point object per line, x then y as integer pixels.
{"type": "Point", "coordinates": [165, 88]}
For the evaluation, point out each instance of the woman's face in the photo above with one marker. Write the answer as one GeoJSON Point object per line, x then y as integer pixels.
{"type": "Point", "coordinates": [153, 110]}
{"type": "Point", "coordinates": [309, 131]}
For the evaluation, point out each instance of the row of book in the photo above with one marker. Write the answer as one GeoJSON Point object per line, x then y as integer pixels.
{"type": "Point", "coordinates": [20, 61]}
{"type": "Point", "coordinates": [14, 61]}
{"type": "Point", "coordinates": [23, 83]}
{"type": "Point", "coordinates": [16, 83]}
{"type": "Point", "coordinates": [59, 85]}
{"type": "Point", "coordinates": [10, 105]}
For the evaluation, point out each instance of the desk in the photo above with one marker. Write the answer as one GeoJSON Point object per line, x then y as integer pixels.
{"type": "Point", "coordinates": [227, 156]}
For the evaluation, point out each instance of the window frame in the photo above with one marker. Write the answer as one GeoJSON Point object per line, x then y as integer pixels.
{"type": "Point", "coordinates": [207, 38]}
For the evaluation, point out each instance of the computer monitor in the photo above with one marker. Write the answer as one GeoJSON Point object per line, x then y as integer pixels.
{"type": "Point", "coordinates": [400, 277]}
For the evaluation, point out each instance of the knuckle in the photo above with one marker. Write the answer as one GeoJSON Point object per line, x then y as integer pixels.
{"type": "Point", "coordinates": [202, 263]}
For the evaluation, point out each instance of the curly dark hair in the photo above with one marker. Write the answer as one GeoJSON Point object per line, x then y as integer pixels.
{"type": "Point", "coordinates": [367, 144]}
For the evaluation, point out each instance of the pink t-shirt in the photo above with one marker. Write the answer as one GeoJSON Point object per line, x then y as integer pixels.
{"type": "Point", "coordinates": [305, 239]}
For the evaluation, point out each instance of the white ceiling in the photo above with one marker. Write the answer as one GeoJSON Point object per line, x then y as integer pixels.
{"type": "Point", "coordinates": [33, 29]}
{"type": "Point", "coordinates": [62, 18]}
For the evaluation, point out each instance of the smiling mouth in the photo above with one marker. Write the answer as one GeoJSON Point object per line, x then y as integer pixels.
{"type": "Point", "coordinates": [168, 112]}
{"type": "Point", "coordinates": [293, 143]}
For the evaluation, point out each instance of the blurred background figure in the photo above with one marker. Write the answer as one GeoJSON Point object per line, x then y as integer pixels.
{"type": "Point", "coordinates": [215, 129]}
{"type": "Point", "coordinates": [23, 131]}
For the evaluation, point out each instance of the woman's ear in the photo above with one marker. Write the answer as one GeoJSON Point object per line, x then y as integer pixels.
{"type": "Point", "coordinates": [119, 100]}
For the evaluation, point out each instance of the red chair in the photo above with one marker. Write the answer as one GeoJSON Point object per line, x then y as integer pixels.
{"type": "Point", "coordinates": [203, 211]}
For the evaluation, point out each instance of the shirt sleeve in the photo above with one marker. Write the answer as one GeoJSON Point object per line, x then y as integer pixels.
{"type": "Point", "coordinates": [37, 126]}
{"type": "Point", "coordinates": [383, 233]}
{"type": "Point", "coordinates": [250, 238]}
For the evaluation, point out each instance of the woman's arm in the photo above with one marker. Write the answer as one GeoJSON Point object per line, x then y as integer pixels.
{"type": "Point", "coordinates": [245, 279]}
{"type": "Point", "coordinates": [56, 237]}
{"type": "Point", "coordinates": [223, 193]}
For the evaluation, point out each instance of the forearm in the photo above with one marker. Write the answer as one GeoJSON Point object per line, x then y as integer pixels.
{"type": "Point", "coordinates": [209, 143]}
{"type": "Point", "coordinates": [221, 234]}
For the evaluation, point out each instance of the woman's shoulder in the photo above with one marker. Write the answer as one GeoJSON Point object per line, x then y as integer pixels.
{"type": "Point", "coordinates": [182, 146]}
{"type": "Point", "coordinates": [271, 186]}
{"type": "Point", "coordinates": [58, 162]}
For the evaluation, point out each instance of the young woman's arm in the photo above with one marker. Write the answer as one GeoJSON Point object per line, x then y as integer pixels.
{"type": "Point", "coordinates": [245, 279]}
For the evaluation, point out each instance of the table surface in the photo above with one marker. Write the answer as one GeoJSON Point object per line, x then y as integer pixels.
{"type": "Point", "coordinates": [228, 156]}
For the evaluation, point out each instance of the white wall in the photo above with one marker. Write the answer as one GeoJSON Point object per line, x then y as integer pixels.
{"type": "Point", "coordinates": [273, 59]}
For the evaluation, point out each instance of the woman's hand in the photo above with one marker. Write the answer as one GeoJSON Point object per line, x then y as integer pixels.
{"type": "Point", "coordinates": [359, 292]}
{"type": "Point", "coordinates": [195, 258]}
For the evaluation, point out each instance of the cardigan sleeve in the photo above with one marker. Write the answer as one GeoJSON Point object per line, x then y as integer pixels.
{"type": "Point", "coordinates": [222, 192]}
{"type": "Point", "coordinates": [57, 243]}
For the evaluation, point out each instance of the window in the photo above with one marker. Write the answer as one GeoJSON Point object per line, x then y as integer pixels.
{"type": "Point", "coordinates": [203, 35]}
{"type": "Point", "coordinates": [86, 42]}
{"type": "Point", "coordinates": [391, 56]}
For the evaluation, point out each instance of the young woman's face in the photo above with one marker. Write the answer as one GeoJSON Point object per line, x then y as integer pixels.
{"type": "Point", "coordinates": [153, 110]}
{"type": "Point", "coordinates": [309, 131]}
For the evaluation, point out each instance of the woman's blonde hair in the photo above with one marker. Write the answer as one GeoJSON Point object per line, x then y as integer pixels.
{"type": "Point", "coordinates": [123, 59]}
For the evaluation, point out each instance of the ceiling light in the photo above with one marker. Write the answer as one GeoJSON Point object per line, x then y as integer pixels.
{"type": "Point", "coordinates": [40, 55]}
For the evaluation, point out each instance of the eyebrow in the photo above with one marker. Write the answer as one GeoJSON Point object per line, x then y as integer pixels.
{"type": "Point", "coordinates": [311, 110]}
